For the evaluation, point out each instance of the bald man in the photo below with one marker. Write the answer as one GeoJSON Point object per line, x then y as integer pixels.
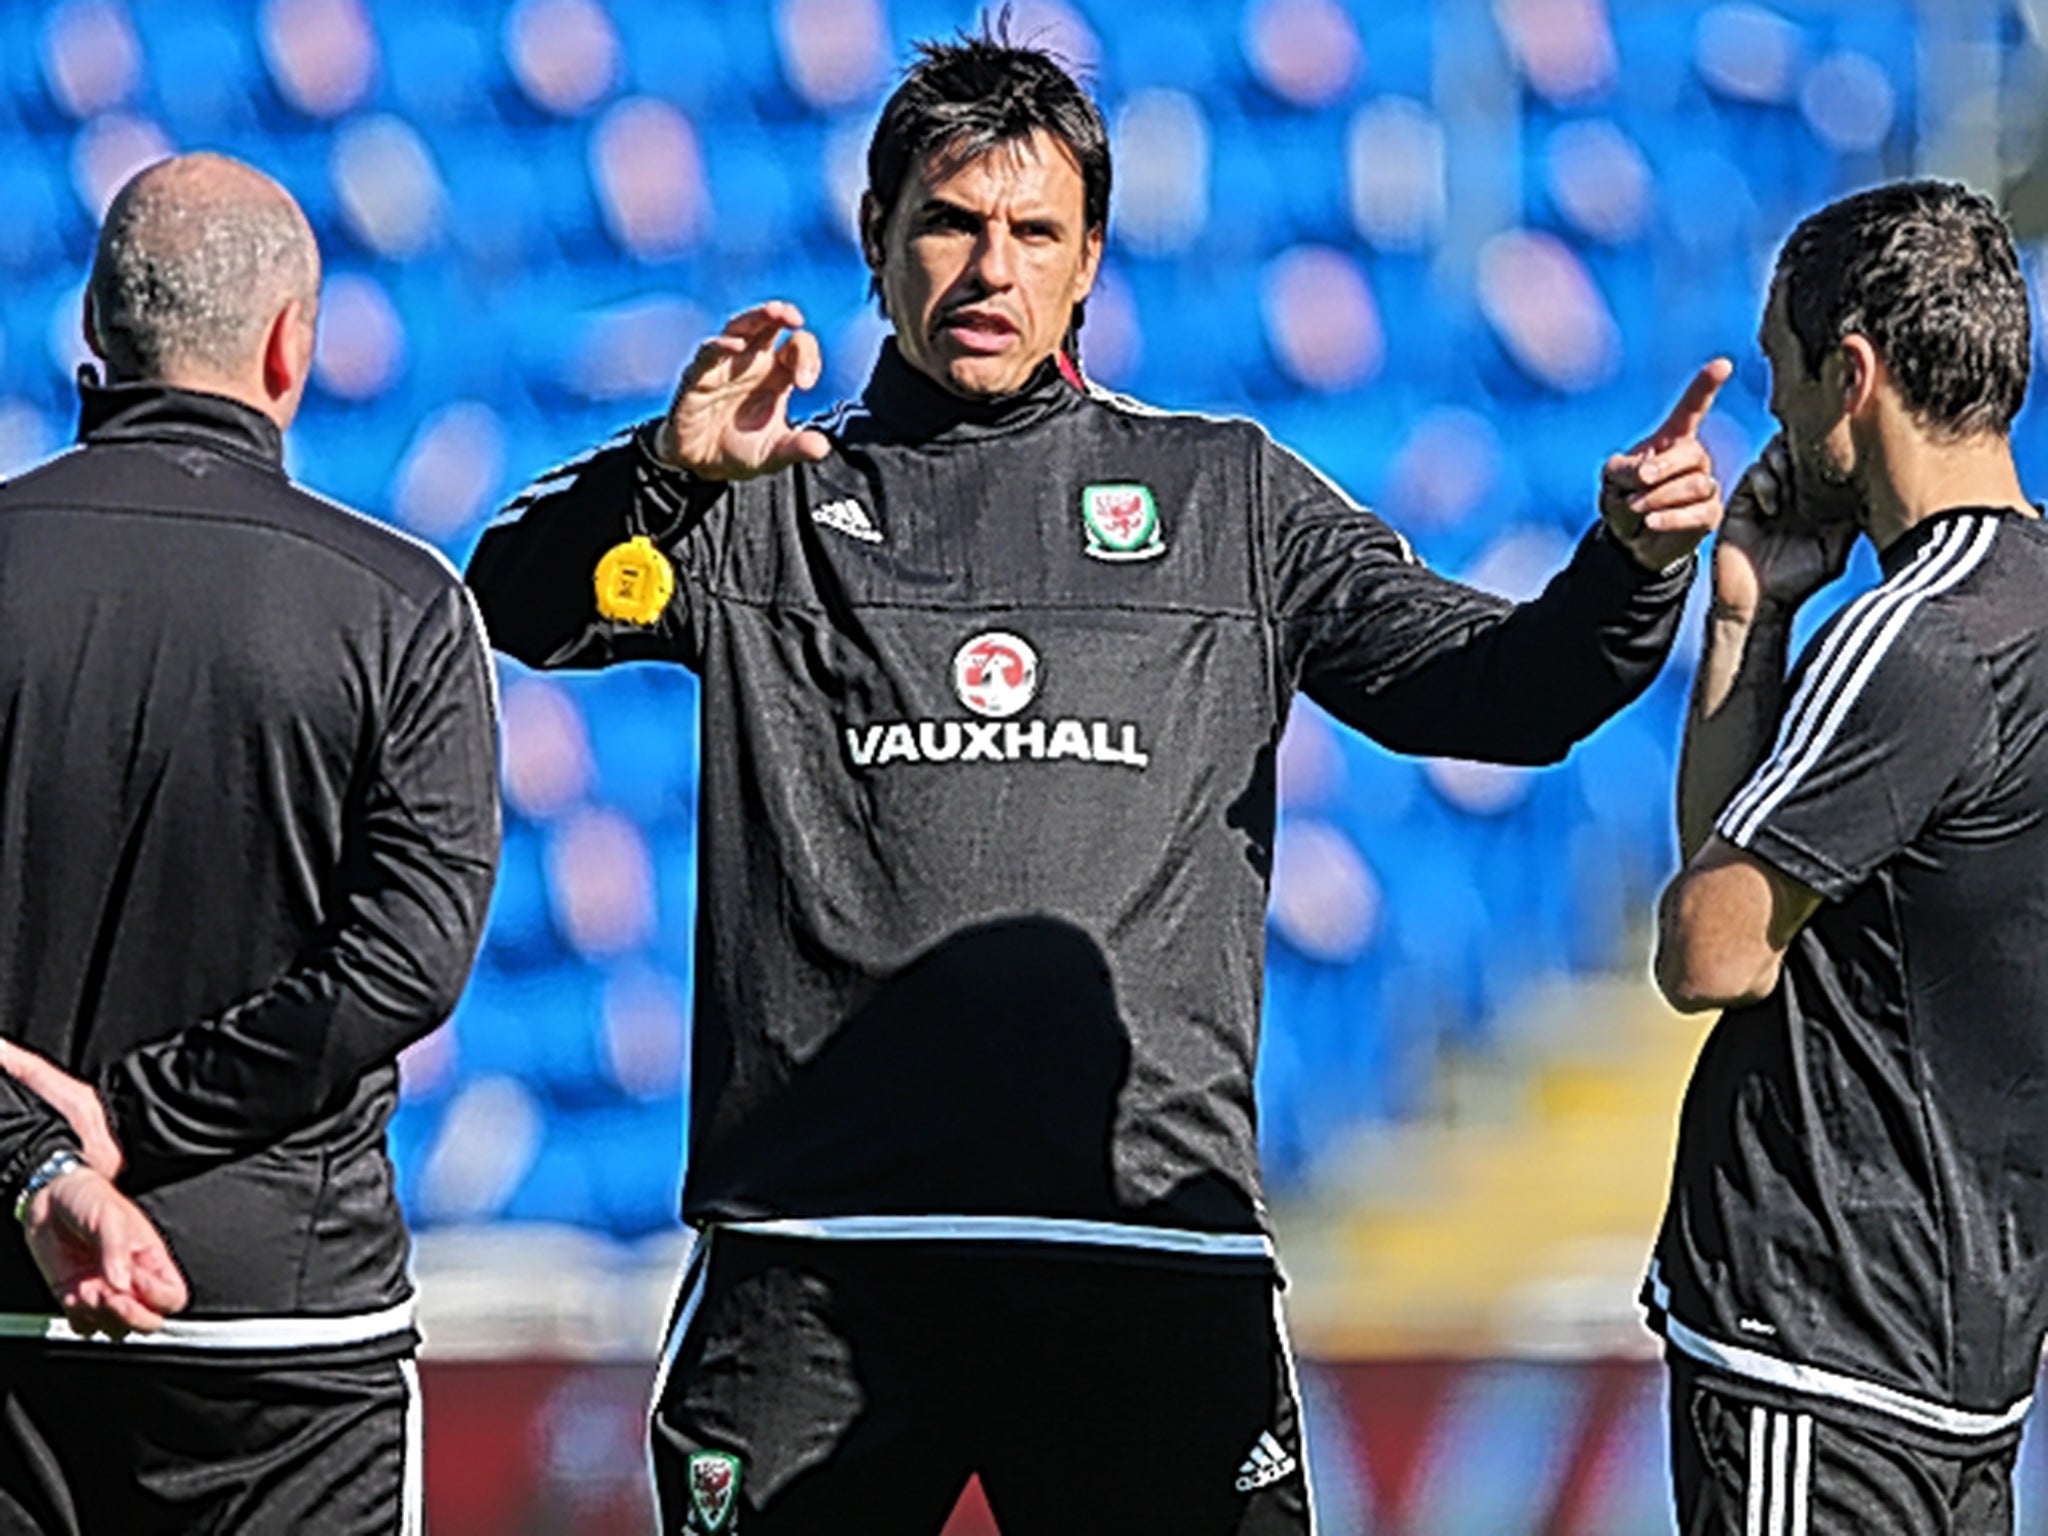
{"type": "Point", "coordinates": [248, 828]}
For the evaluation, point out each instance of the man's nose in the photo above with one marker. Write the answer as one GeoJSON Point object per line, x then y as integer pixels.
{"type": "Point", "coordinates": [995, 258]}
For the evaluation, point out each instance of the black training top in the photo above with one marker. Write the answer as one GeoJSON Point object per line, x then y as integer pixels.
{"type": "Point", "coordinates": [1860, 1209]}
{"type": "Point", "coordinates": [248, 825]}
{"type": "Point", "coordinates": [989, 708]}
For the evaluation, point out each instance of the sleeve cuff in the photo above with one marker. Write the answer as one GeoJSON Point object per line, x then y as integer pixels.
{"type": "Point", "coordinates": [1613, 556]}
{"type": "Point", "coordinates": [51, 1134]}
{"type": "Point", "coordinates": [1794, 859]}
{"type": "Point", "coordinates": [656, 465]}
{"type": "Point", "coordinates": [666, 497]}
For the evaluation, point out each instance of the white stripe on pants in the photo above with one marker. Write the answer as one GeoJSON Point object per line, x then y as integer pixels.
{"type": "Point", "coordinates": [1778, 1495]}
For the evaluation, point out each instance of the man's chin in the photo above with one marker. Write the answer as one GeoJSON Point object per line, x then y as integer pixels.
{"type": "Point", "coordinates": [1826, 491]}
{"type": "Point", "coordinates": [972, 375]}
{"type": "Point", "coordinates": [982, 383]}
{"type": "Point", "coordinates": [983, 376]}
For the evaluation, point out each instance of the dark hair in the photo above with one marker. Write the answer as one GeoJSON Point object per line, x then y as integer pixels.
{"type": "Point", "coordinates": [1926, 272]}
{"type": "Point", "coordinates": [965, 97]}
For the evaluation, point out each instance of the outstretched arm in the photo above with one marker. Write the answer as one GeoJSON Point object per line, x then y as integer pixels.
{"type": "Point", "coordinates": [1424, 664]}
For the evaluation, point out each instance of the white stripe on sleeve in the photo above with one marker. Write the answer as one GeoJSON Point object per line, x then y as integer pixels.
{"type": "Point", "coordinates": [1837, 681]}
{"type": "Point", "coordinates": [1845, 639]}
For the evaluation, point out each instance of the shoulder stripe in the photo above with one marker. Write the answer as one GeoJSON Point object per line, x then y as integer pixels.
{"type": "Point", "coordinates": [1131, 405]}
{"type": "Point", "coordinates": [835, 419]}
{"type": "Point", "coordinates": [1796, 724]}
{"type": "Point", "coordinates": [1853, 653]}
{"type": "Point", "coordinates": [551, 480]}
{"type": "Point", "coordinates": [1848, 633]}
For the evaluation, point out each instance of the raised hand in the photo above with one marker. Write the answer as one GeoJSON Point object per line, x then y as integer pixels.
{"type": "Point", "coordinates": [730, 416]}
{"type": "Point", "coordinates": [77, 1101]}
{"type": "Point", "coordinates": [1783, 539]}
{"type": "Point", "coordinates": [1660, 499]}
{"type": "Point", "coordinates": [102, 1258]}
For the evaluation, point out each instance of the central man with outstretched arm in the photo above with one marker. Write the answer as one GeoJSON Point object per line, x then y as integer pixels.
{"type": "Point", "coordinates": [994, 668]}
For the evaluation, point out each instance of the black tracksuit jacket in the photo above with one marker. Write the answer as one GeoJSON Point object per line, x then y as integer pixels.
{"type": "Point", "coordinates": [990, 700]}
{"type": "Point", "coordinates": [248, 827]}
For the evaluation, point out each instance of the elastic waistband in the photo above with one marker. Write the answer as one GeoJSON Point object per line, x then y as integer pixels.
{"type": "Point", "coordinates": [1817, 1381]}
{"type": "Point", "coordinates": [252, 1334]}
{"type": "Point", "coordinates": [1013, 1229]}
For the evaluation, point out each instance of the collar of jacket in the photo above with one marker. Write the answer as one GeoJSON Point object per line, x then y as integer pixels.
{"type": "Point", "coordinates": [126, 413]}
{"type": "Point", "coordinates": [916, 408]}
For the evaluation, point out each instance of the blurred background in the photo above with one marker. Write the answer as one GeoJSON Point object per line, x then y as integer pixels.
{"type": "Point", "coordinates": [1455, 251]}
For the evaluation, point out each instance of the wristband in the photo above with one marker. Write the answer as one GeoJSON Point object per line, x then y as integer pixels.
{"type": "Point", "coordinates": [49, 1171]}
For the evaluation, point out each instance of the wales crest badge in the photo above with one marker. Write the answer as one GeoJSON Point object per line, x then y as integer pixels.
{"type": "Point", "coordinates": [713, 1479]}
{"type": "Point", "coordinates": [1122, 522]}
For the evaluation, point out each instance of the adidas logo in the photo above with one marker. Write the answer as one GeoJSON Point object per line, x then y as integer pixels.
{"type": "Point", "coordinates": [849, 517]}
{"type": "Point", "coordinates": [1268, 1463]}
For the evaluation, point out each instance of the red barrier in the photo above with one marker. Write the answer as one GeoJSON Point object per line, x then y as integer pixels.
{"type": "Point", "coordinates": [1397, 1448]}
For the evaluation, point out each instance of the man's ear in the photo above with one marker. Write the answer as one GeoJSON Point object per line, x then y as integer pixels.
{"type": "Point", "coordinates": [89, 324]}
{"type": "Point", "coordinates": [1862, 372]}
{"type": "Point", "coordinates": [874, 219]}
{"type": "Point", "coordinates": [1091, 263]}
{"type": "Point", "coordinates": [288, 350]}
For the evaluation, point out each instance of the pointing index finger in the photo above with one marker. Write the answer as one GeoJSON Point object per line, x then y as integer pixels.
{"type": "Point", "coordinates": [1686, 416]}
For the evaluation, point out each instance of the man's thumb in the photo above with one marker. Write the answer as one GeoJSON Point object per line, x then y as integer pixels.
{"type": "Point", "coordinates": [158, 1282]}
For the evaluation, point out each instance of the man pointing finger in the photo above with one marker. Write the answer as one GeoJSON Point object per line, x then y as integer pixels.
{"type": "Point", "coordinates": [994, 665]}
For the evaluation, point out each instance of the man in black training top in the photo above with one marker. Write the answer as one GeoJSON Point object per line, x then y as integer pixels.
{"type": "Point", "coordinates": [994, 665]}
{"type": "Point", "coordinates": [248, 824]}
{"type": "Point", "coordinates": [1852, 1277]}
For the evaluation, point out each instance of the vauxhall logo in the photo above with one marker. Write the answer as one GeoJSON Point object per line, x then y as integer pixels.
{"type": "Point", "coordinates": [995, 675]}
